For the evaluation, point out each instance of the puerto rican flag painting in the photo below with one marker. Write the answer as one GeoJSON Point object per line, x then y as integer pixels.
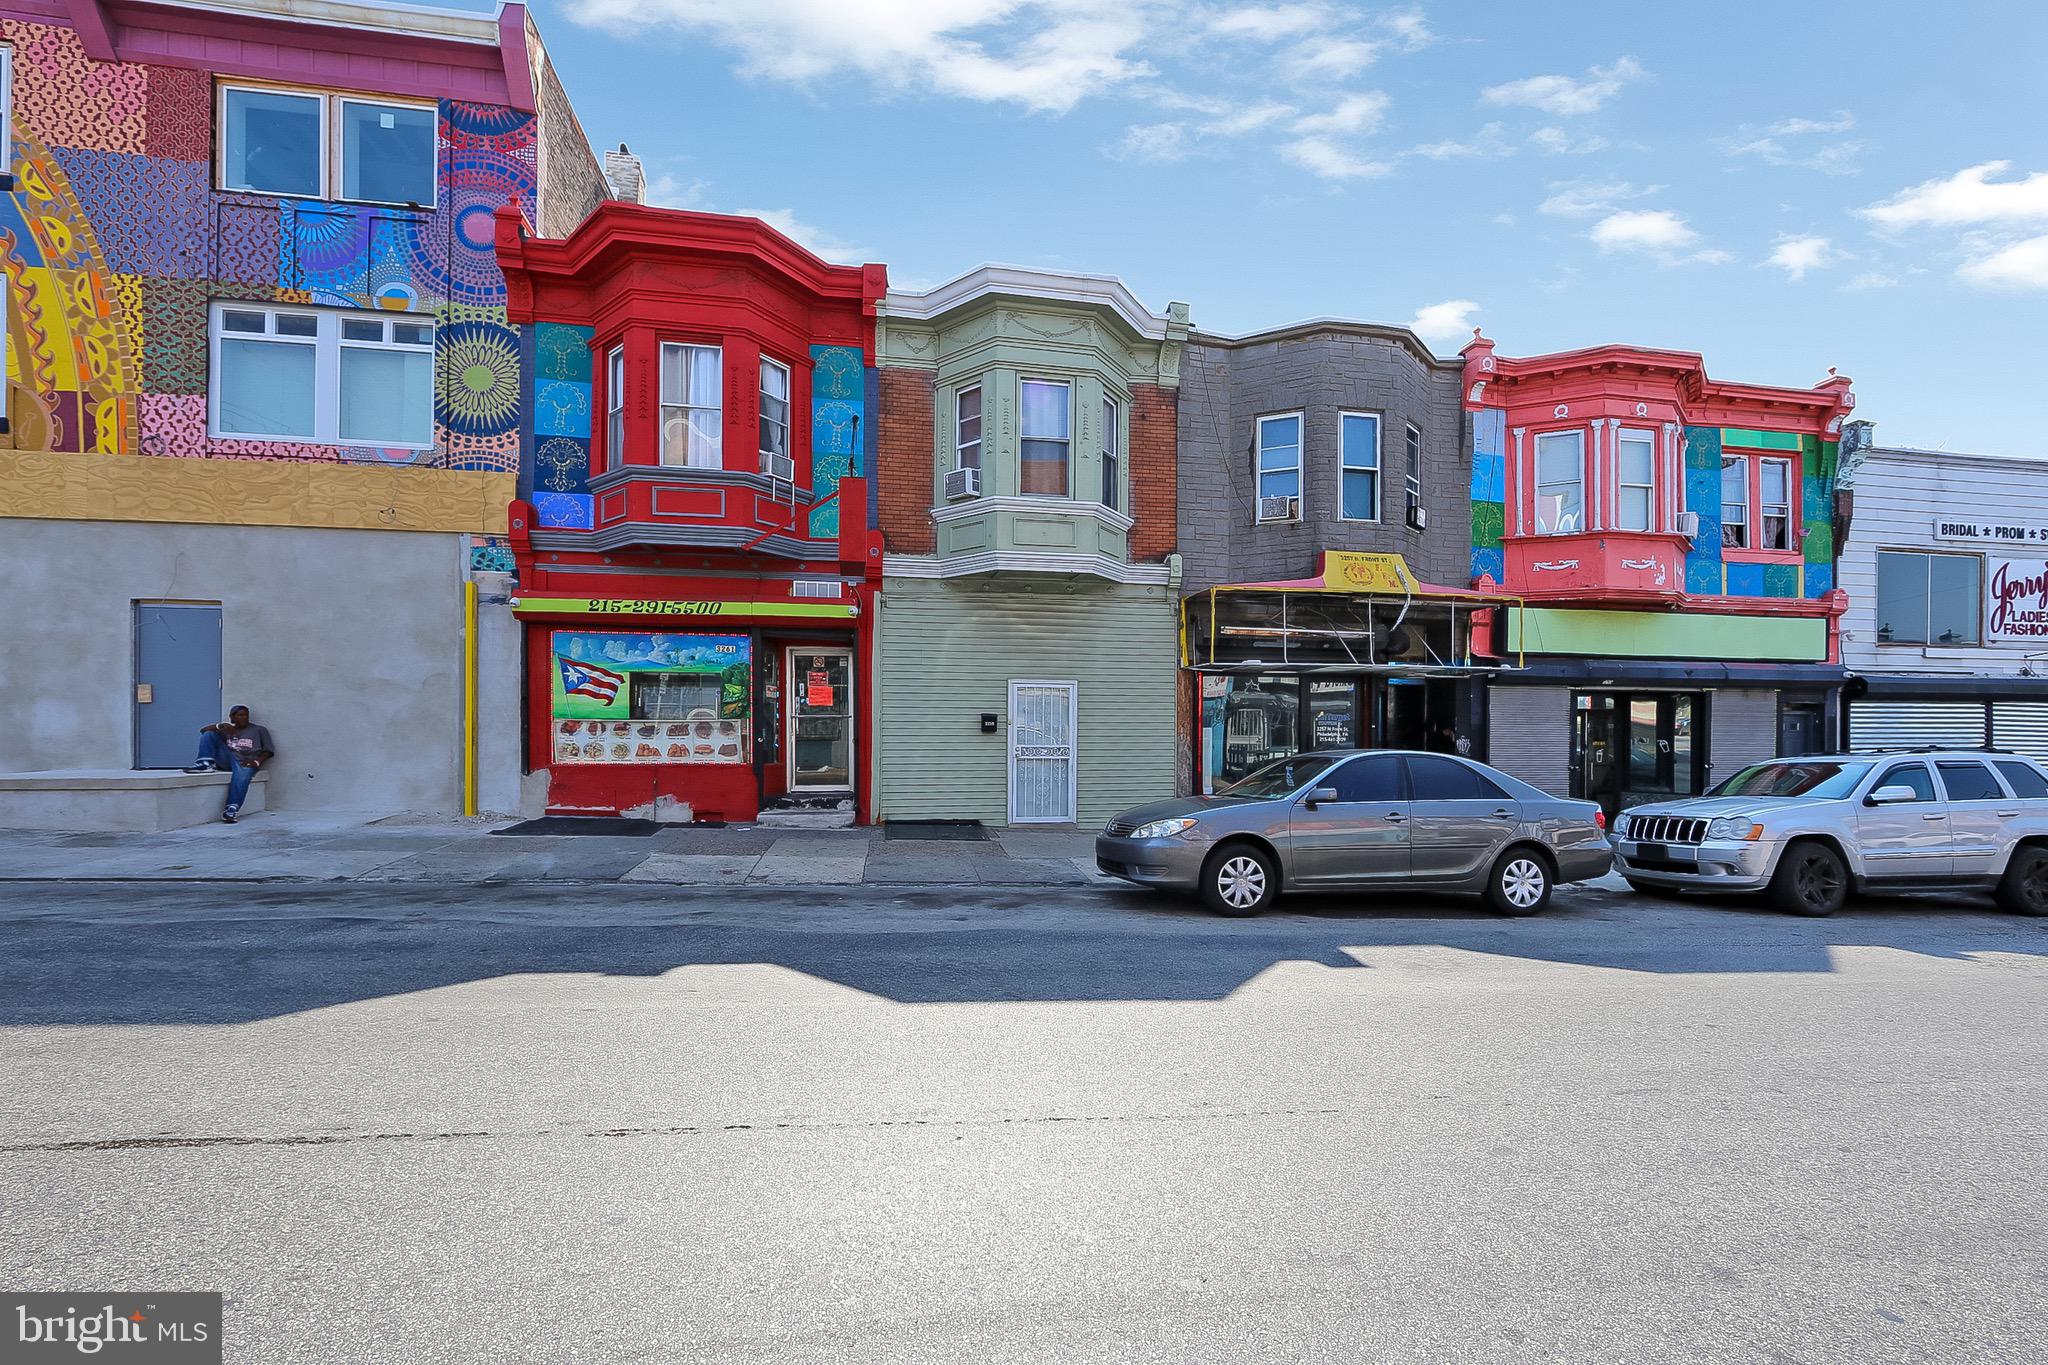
{"type": "Point", "coordinates": [588, 680]}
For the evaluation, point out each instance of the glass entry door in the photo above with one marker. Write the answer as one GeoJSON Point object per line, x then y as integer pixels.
{"type": "Point", "coordinates": [820, 748]}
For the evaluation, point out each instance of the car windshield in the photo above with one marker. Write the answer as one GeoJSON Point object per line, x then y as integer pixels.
{"type": "Point", "coordinates": [1790, 777]}
{"type": "Point", "coordinates": [1280, 776]}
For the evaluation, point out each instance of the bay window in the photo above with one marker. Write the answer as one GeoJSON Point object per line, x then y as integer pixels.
{"type": "Point", "coordinates": [774, 413]}
{"type": "Point", "coordinates": [326, 376]}
{"type": "Point", "coordinates": [1560, 483]}
{"type": "Point", "coordinates": [1358, 460]}
{"type": "Point", "coordinates": [1277, 467]}
{"type": "Point", "coordinates": [311, 144]}
{"type": "Point", "coordinates": [1111, 463]}
{"type": "Point", "coordinates": [967, 428]}
{"type": "Point", "coordinates": [692, 406]}
{"type": "Point", "coordinates": [1047, 433]}
{"type": "Point", "coordinates": [1636, 481]}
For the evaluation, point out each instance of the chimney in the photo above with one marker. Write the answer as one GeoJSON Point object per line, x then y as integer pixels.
{"type": "Point", "coordinates": [622, 171]}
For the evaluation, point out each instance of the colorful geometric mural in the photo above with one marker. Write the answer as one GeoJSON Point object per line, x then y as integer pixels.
{"type": "Point", "coordinates": [1489, 494]}
{"type": "Point", "coordinates": [838, 407]}
{"type": "Point", "coordinates": [561, 406]}
{"type": "Point", "coordinates": [115, 244]}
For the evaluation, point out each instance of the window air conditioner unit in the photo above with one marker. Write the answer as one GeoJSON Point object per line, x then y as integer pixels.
{"type": "Point", "coordinates": [1418, 517]}
{"type": "Point", "coordinates": [1689, 525]}
{"type": "Point", "coordinates": [963, 483]}
{"type": "Point", "coordinates": [779, 467]}
{"type": "Point", "coordinates": [1279, 509]}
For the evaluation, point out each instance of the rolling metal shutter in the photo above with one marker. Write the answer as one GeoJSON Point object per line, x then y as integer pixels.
{"type": "Point", "coordinates": [1910, 724]}
{"type": "Point", "coordinates": [1529, 735]}
{"type": "Point", "coordinates": [2021, 726]}
{"type": "Point", "coordinates": [1745, 730]}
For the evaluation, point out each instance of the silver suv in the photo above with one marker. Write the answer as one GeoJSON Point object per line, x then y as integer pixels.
{"type": "Point", "coordinates": [1810, 830]}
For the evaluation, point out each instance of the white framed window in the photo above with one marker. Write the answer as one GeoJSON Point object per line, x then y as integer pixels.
{"type": "Point", "coordinates": [1734, 502]}
{"type": "Point", "coordinates": [692, 405]}
{"type": "Point", "coordinates": [310, 144]}
{"type": "Point", "coordinates": [774, 411]}
{"type": "Point", "coordinates": [1358, 459]}
{"type": "Point", "coordinates": [1277, 465]}
{"type": "Point", "coordinates": [1560, 483]}
{"type": "Point", "coordinates": [1636, 481]}
{"type": "Point", "coordinates": [1112, 455]}
{"type": "Point", "coordinates": [1414, 473]}
{"type": "Point", "coordinates": [1774, 502]}
{"type": "Point", "coordinates": [967, 428]}
{"type": "Point", "coordinates": [1048, 409]}
{"type": "Point", "coordinates": [615, 407]}
{"type": "Point", "coordinates": [323, 375]}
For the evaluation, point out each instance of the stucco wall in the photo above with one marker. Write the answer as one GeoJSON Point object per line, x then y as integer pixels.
{"type": "Point", "coordinates": [1225, 387]}
{"type": "Point", "coordinates": [346, 644]}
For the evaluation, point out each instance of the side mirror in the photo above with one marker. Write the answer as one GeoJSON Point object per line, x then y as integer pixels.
{"type": "Point", "coordinates": [1892, 795]}
{"type": "Point", "coordinates": [1318, 796]}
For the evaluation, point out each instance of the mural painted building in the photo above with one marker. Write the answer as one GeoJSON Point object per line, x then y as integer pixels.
{"type": "Point", "coordinates": [1324, 507]}
{"type": "Point", "coordinates": [262, 398]}
{"type": "Point", "coordinates": [1671, 538]}
{"type": "Point", "coordinates": [1026, 461]}
{"type": "Point", "coordinates": [697, 570]}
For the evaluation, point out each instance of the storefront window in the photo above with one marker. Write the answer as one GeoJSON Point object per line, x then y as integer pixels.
{"type": "Point", "coordinates": [1259, 723]}
{"type": "Point", "coordinates": [1629, 748]}
{"type": "Point", "coordinates": [1332, 714]}
{"type": "Point", "coordinates": [650, 698]}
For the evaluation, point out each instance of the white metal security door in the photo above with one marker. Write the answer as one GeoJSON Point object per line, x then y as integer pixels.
{"type": "Point", "coordinates": [1042, 752]}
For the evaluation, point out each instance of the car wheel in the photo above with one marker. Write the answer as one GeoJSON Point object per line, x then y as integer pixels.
{"type": "Point", "coordinates": [1811, 880]}
{"type": "Point", "coordinates": [1519, 884]}
{"type": "Point", "coordinates": [1668, 893]}
{"type": "Point", "coordinates": [2024, 889]}
{"type": "Point", "coordinates": [1239, 880]}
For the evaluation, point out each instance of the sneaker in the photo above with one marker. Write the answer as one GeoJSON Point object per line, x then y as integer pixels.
{"type": "Point", "coordinates": [227, 817]}
{"type": "Point", "coordinates": [204, 765]}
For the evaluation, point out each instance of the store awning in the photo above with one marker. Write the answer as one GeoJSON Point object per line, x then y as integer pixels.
{"type": "Point", "coordinates": [1360, 613]}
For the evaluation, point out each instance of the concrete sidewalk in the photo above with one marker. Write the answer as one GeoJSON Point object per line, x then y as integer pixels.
{"type": "Point", "coordinates": [291, 846]}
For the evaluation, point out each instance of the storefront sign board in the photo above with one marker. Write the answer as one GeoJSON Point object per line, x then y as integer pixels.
{"type": "Point", "coordinates": [634, 606]}
{"type": "Point", "coordinates": [1998, 532]}
{"type": "Point", "coordinates": [2015, 601]}
{"type": "Point", "coordinates": [1360, 572]}
{"type": "Point", "coordinates": [1667, 635]}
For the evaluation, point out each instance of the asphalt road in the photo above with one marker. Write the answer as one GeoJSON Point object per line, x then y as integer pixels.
{"type": "Point", "coordinates": [554, 1123]}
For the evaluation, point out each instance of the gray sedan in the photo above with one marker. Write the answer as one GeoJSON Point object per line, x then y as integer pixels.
{"type": "Point", "coordinates": [1351, 820]}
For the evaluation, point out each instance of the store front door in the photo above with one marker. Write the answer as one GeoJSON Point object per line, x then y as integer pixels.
{"type": "Point", "coordinates": [1629, 748]}
{"type": "Point", "coordinates": [819, 741]}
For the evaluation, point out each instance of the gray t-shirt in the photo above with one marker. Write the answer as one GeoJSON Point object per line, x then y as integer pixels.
{"type": "Point", "coordinates": [246, 742]}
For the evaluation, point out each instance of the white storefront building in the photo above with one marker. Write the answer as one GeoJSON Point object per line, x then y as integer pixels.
{"type": "Point", "coordinates": [1946, 564]}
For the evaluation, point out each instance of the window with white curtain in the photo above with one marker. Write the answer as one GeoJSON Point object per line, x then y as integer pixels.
{"type": "Point", "coordinates": [615, 407]}
{"type": "Point", "coordinates": [692, 406]}
{"type": "Point", "coordinates": [1560, 483]}
{"type": "Point", "coordinates": [1636, 486]}
{"type": "Point", "coordinates": [1048, 429]}
{"type": "Point", "coordinates": [1774, 501]}
{"type": "Point", "coordinates": [326, 376]}
{"type": "Point", "coordinates": [774, 411]}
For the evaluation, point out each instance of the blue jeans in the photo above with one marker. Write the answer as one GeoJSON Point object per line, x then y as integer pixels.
{"type": "Point", "coordinates": [215, 750]}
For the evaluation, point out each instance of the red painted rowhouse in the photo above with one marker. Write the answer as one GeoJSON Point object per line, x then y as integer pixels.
{"type": "Point", "coordinates": [696, 565]}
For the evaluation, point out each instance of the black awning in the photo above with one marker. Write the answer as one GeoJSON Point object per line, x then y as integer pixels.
{"type": "Point", "coordinates": [1945, 685]}
{"type": "Point", "coordinates": [1663, 672]}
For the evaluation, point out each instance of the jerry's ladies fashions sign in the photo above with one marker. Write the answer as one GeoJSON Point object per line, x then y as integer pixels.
{"type": "Point", "coordinates": [2015, 600]}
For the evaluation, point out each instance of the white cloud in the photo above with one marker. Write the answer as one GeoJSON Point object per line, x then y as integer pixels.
{"type": "Point", "coordinates": [1568, 96]}
{"type": "Point", "coordinates": [1584, 198]}
{"type": "Point", "coordinates": [1331, 59]}
{"type": "Point", "coordinates": [1359, 113]}
{"type": "Point", "coordinates": [1487, 142]}
{"type": "Point", "coordinates": [1872, 279]}
{"type": "Point", "coordinates": [821, 241]}
{"type": "Point", "coordinates": [670, 191]}
{"type": "Point", "coordinates": [1788, 142]}
{"type": "Point", "coordinates": [1268, 22]}
{"type": "Point", "coordinates": [1331, 161]}
{"type": "Point", "coordinates": [1557, 142]}
{"type": "Point", "coordinates": [1042, 54]}
{"type": "Point", "coordinates": [1659, 234]}
{"type": "Point", "coordinates": [2021, 265]}
{"type": "Point", "coordinates": [1969, 197]}
{"type": "Point", "coordinates": [1443, 323]}
{"type": "Point", "coordinates": [1408, 29]}
{"type": "Point", "coordinates": [1796, 256]}
{"type": "Point", "coordinates": [1151, 142]}
{"type": "Point", "coordinates": [1247, 120]}
{"type": "Point", "coordinates": [1794, 127]}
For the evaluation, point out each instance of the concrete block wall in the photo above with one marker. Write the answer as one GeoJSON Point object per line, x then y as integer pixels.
{"type": "Point", "coordinates": [1319, 371]}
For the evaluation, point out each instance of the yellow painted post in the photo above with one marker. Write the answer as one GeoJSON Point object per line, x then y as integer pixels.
{"type": "Point", "coordinates": [469, 696]}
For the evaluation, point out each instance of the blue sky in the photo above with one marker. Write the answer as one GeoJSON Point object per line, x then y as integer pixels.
{"type": "Point", "coordinates": [1781, 187]}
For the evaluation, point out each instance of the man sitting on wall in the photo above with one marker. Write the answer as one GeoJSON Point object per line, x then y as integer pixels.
{"type": "Point", "coordinates": [236, 748]}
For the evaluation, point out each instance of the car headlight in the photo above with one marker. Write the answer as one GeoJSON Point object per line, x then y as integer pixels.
{"type": "Point", "coordinates": [1736, 827]}
{"type": "Point", "coordinates": [1621, 827]}
{"type": "Point", "coordinates": [1163, 829]}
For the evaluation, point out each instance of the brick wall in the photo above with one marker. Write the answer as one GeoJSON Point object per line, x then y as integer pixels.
{"type": "Point", "coordinates": [1155, 492]}
{"type": "Point", "coordinates": [903, 461]}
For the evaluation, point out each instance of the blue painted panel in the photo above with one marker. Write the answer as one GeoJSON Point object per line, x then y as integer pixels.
{"type": "Point", "coordinates": [562, 351]}
{"type": "Point", "coordinates": [1489, 560]}
{"type": "Point", "coordinates": [563, 509]}
{"type": "Point", "coordinates": [1489, 478]}
{"type": "Point", "coordinates": [1745, 580]}
{"type": "Point", "coordinates": [1490, 432]}
{"type": "Point", "coordinates": [561, 465]}
{"type": "Point", "coordinates": [1820, 580]}
{"type": "Point", "coordinates": [838, 427]}
{"type": "Point", "coordinates": [561, 407]}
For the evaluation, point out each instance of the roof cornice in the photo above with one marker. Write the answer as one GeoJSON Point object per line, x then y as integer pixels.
{"type": "Point", "coordinates": [1292, 331]}
{"type": "Point", "coordinates": [1105, 292]}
